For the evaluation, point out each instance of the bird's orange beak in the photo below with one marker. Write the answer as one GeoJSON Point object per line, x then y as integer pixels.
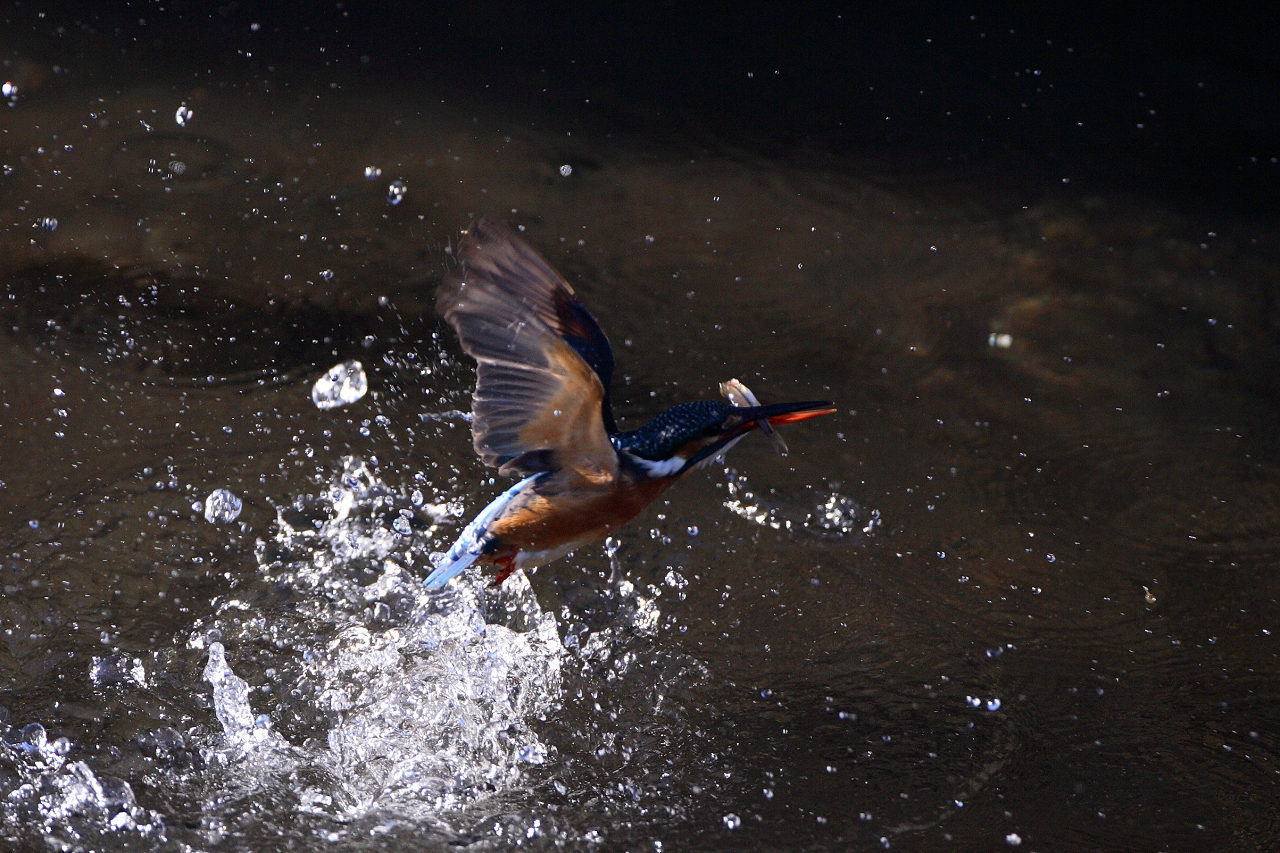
{"type": "Point", "coordinates": [801, 414]}
{"type": "Point", "coordinates": [746, 418]}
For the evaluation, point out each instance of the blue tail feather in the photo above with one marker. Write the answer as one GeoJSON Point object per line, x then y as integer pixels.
{"type": "Point", "coordinates": [471, 543]}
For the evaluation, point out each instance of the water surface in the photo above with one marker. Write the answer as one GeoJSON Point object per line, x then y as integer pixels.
{"type": "Point", "coordinates": [1019, 591]}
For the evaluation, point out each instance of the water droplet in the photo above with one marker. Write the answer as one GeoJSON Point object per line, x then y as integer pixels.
{"type": "Point", "coordinates": [993, 704]}
{"type": "Point", "coordinates": [34, 735]}
{"type": "Point", "coordinates": [183, 115]}
{"type": "Point", "coordinates": [396, 192]}
{"type": "Point", "coordinates": [566, 170]}
{"type": "Point", "coordinates": [222, 507]}
{"type": "Point", "coordinates": [342, 385]}
{"type": "Point", "coordinates": [9, 90]}
{"type": "Point", "coordinates": [47, 223]}
{"type": "Point", "coordinates": [372, 173]}
{"type": "Point", "coordinates": [732, 821]}
{"type": "Point", "coordinates": [326, 275]}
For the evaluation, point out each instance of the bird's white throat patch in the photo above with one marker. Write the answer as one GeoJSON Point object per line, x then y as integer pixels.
{"type": "Point", "coordinates": [657, 467]}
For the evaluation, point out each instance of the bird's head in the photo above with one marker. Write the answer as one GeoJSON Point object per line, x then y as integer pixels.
{"type": "Point", "coordinates": [693, 434]}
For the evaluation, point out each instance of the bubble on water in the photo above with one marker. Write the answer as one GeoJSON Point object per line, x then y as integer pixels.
{"type": "Point", "coordinates": [34, 737]}
{"type": "Point", "coordinates": [989, 704]}
{"type": "Point", "coordinates": [402, 524]}
{"type": "Point", "coordinates": [222, 506]}
{"type": "Point", "coordinates": [183, 115]}
{"type": "Point", "coordinates": [342, 385]}
{"type": "Point", "coordinates": [396, 192]}
{"type": "Point", "coordinates": [372, 173]}
{"type": "Point", "coordinates": [566, 170]}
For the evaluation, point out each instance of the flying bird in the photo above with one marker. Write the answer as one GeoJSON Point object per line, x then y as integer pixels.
{"type": "Point", "coordinates": [540, 411]}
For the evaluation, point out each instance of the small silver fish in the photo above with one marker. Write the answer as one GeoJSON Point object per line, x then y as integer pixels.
{"type": "Point", "coordinates": [740, 395]}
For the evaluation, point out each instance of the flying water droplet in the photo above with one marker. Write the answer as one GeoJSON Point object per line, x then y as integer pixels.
{"type": "Point", "coordinates": [9, 90]}
{"type": "Point", "coordinates": [222, 507]}
{"type": "Point", "coordinates": [396, 192]}
{"type": "Point", "coordinates": [183, 115]}
{"type": "Point", "coordinates": [342, 385]}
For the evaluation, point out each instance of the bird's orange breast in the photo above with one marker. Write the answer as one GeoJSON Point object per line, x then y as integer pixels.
{"type": "Point", "coordinates": [552, 515]}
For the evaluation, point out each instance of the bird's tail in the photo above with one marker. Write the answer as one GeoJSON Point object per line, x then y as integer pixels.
{"type": "Point", "coordinates": [475, 538]}
{"type": "Point", "coordinates": [454, 563]}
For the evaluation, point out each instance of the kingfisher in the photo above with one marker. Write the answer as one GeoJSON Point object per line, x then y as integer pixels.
{"type": "Point", "coordinates": [541, 411]}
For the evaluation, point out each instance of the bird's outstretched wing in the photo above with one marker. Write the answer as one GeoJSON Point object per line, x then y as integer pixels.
{"type": "Point", "coordinates": [544, 365]}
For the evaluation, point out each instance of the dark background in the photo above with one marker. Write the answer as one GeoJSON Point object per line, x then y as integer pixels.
{"type": "Point", "coordinates": [1174, 102]}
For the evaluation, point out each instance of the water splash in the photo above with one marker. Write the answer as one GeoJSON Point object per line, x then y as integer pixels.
{"type": "Point", "coordinates": [231, 701]}
{"type": "Point", "coordinates": [398, 703]}
{"type": "Point", "coordinates": [57, 797]}
{"type": "Point", "coordinates": [829, 515]}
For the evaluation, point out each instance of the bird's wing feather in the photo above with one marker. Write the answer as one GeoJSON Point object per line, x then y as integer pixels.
{"type": "Point", "coordinates": [493, 252]}
{"type": "Point", "coordinates": [538, 404]}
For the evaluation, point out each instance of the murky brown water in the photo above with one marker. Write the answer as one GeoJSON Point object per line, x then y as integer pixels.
{"type": "Point", "coordinates": [1021, 591]}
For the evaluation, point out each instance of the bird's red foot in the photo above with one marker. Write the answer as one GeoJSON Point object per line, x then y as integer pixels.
{"type": "Point", "coordinates": [506, 566]}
